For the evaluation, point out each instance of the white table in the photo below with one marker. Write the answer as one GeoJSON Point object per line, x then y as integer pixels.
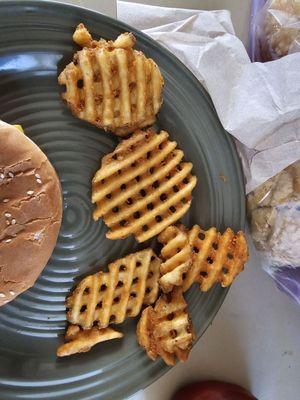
{"type": "Point", "coordinates": [254, 340]}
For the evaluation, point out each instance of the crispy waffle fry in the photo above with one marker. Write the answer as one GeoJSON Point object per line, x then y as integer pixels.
{"type": "Point", "coordinates": [81, 341]}
{"type": "Point", "coordinates": [111, 85]}
{"type": "Point", "coordinates": [218, 257]}
{"type": "Point", "coordinates": [177, 255]}
{"type": "Point", "coordinates": [110, 297]}
{"type": "Point", "coordinates": [166, 330]}
{"type": "Point", "coordinates": [209, 257]}
{"type": "Point", "coordinates": [143, 186]}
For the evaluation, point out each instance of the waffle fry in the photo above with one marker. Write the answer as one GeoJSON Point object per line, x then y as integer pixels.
{"type": "Point", "coordinates": [143, 186]}
{"type": "Point", "coordinates": [111, 85]}
{"type": "Point", "coordinates": [110, 297]}
{"type": "Point", "coordinates": [81, 341]}
{"type": "Point", "coordinates": [177, 255]}
{"type": "Point", "coordinates": [209, 257]}
{"type": "Point", "coordinates": [218, 257]}
{"type": "Point", "coordinates": [166, 330]}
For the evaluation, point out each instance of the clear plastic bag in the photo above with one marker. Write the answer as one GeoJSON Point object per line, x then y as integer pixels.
{"type": "Point", "coordinates": [274, 216]}
{"type": "Point", "coordinates": [275, 29]}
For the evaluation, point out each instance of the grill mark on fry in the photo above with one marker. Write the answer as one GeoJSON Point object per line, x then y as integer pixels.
{"type": "Point", "coordinates": [87, 75]}
{"type": "Point", "coordinates": [215, 268]}
{"type": "Point", "coordinates": [175, 260]}
{"type": "Point", "coordinates": [211, 237]}
{"type": "Point", "coordinates": [125, 109]}
{"type": "Point", "coordinates": [141, 87]}
{"type": "Point", "coordinates": [155, 87]}
{"type": "Point", "coordinates": [92, 303]}
{"type": "Point", "coordinates": [72, 87]}
{"type": "Point", "coordinates": [71, 77]}
{"type": "Point", "coordinates": [104, 64]}
{"type": "Point", "coordinates": [120, 308]}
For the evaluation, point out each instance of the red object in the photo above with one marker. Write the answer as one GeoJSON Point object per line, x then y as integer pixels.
{"type": "Point", "coordinates": [212, 390]}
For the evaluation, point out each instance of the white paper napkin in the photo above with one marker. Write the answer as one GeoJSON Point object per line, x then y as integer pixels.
{"type": "Point", "coordinates": [259, 104]}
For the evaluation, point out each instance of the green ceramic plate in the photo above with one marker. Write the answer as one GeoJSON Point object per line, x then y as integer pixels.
{"type": "Point", "coordinates": [35, 43]}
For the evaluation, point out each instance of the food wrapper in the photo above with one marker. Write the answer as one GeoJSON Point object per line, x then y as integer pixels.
{"type": "Point", "coordinates": [274, 216]}
{"type": "Point", "coordinates": [275, 29]}
{"type": "Point", "coordinates": [274, 207]}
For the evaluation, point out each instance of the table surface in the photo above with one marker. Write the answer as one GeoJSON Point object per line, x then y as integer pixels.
{"type": "Point", "coordinates": [254, 339]}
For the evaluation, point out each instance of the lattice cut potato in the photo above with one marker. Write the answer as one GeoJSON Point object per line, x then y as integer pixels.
{"type": "Point", "coordinates": [143, 186]}
{"type": "Point", "coordinates": [81, 341]}
{"type": "Point", "coordinates": [177, 256]}
{"type": "Point", "coordinates": [111, 85]}
{"type": "Point", "coordinates": [206, 257]}
{"type": "Point", "coordinates": [110, 297]}
{"type": "Point", "coordinates": [166, 330]}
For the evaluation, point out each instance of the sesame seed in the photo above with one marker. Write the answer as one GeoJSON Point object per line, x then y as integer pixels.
{"type": "Point", "coordinates": [30, 192]}
{"type": "Point", "coordinates": [37, 235]}
{"type": "Point", "coordinates": [39, 181]}
{"type": "Point", "coordinates": [7, 222]}
{"type": "Point", "coordinates": [2, 294]}
{"type": "Point", "coordinates": [10, 174]}
{"type": "Point", "coordinates": [13, 221]}
{"type": "Point", "coordinates": [12, 292]}
{"type": "Point", "coordinates": [5, 200]}
{"type": "Point", "coordinates": [8, 215]}
{"type": "Point", "coordinates": [37, 176]}
{"type": "Point", "coordinates": [2, 176]}
{"type": "Point", "coordinates": [7, 240]}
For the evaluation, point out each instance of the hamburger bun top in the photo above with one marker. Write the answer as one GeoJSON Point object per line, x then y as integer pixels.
{"type": "Point", "coordinates": [30, 212]}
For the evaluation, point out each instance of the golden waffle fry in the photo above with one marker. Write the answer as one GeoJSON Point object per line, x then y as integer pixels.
{"type": "Point", "coordinates": [212, 257]}
{"type": "Point", "coordinates": [218, 257]}
{"type": "Point", "coordinates": [81, 341]}
{"type": "Point", "coordinates": [110, 297]}
{"type": "Point", "coordinates": [177, 255]}
{"type": "Point", "coordinates": [143, 186]}
{"type": "Point", "coordinates": [166, 330]}
{"type": "Point", "coordinates": [111, 85]}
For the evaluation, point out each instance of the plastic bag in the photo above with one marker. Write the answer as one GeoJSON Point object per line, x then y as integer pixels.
{"type": "Point", "coordinates": [274, 216]}
{"type": "Point", "coordinates": [275, 29]}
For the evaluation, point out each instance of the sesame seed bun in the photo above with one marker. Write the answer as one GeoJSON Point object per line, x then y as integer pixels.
{"type": "Point", "coordinates": [30, 212]}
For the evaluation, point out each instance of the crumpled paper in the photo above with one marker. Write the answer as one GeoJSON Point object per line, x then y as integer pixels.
{"type": "Point", "coordinates": [258, 104]}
